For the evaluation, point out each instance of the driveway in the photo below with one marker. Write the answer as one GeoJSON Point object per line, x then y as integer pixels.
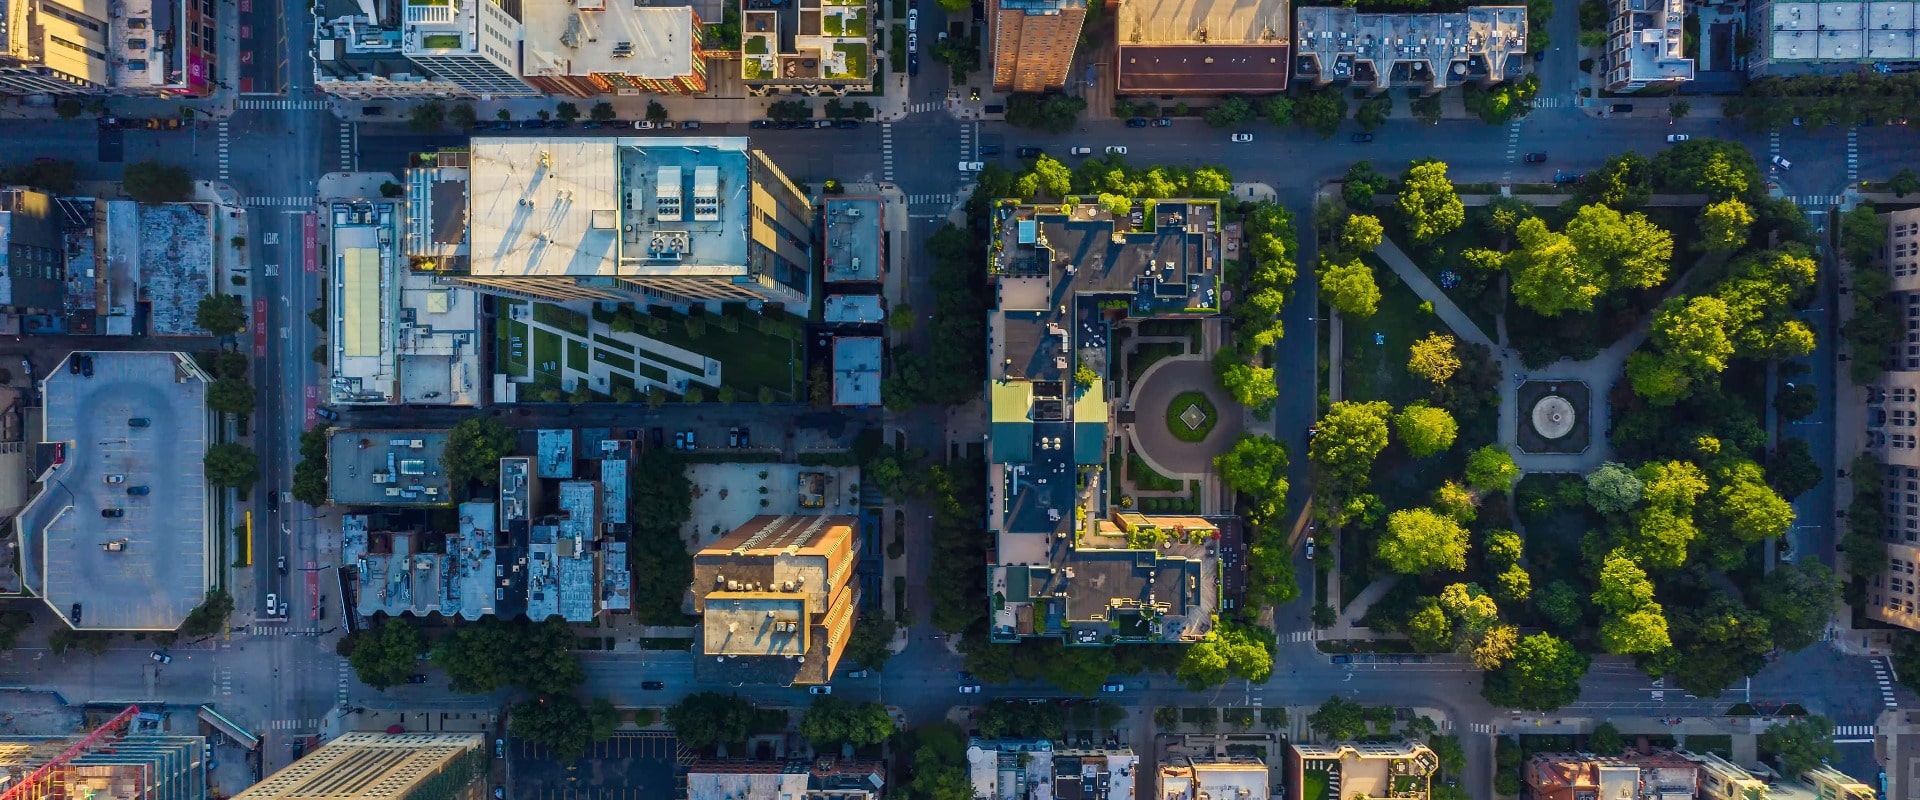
{"type": "Point", "coordinates": [1154, 391]}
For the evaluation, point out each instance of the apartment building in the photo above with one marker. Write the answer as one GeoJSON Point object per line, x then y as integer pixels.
{"type": "Point", "coordinates": [1217, 777]}
{"type": "Point", "coordinates": [1201, 47]}
{"type": "Point", "coordinates": [1656, 774]}
{"type": "Point", "coordinates": [1892, 434]}
{"type": "Point", "coordinates": [121, 47]}
{"type": "Point", "coordinates": [807, 47]}
{"type": "Point", "coordinates": [777, 600]}
{"type": "Point", "coordinates": [398, 336]}
{"type": "Point", "coordinates": [1349, 770]}
{"type": "Point", "coordinates": [33, 261]}
{"type": "Point", "coordinates": [472, 43]}
{"type": "Point", "coordinates": [1646, 45]}
{"type": "Point", "coordinates": [381, 766]}
{"type": "Point", "coordinates": [387, 467]}
{"type": "Point", "coordinates": [1430, 52]}
{"type": "Point", "coordinates": [1832, 38]}
{"type": "Point", "coordinates": [793, 779]}
{"type": "Point", "coordinates": [357, 53]}
{"type": "Point", "coordinates": [1032, 769]}
{"type": "Point", "coordinates": [596, 47]}
{"type": "Point", "coordinates": [672, 221]}
{"type": "Point", "coordinates": [1033, 42]}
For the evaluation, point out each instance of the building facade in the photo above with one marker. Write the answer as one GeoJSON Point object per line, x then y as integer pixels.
{"type": "Point", "coordinates": [121, 47]}
{"type": "Point", "coordinates": [793, 779]}
{"type": "Point", "coordinates": [1834, 37]}
{"type": "Point", "coordinates": [1892, 435]}
{"type": "Point", "coordinates": [357, 53]}
{"type": "Point", "coordinates": [672, 221]}
{"type": "Point", "coordinates": [33, 261]}
{"type": "Point", "coordinates": [777, 599]}
{"type": "Point", "coordinates": [1351, 770]}
{"type": "Point", "coordinates": [1033, 42]}
{"type": "Point", "coordinates": [137, 767]}
{"type": "Point", "coordinates": [54, 48]}
{"type": "Point", "coordinates": [594, 47]}
{"type": "Point", "coordinates": [1646, 45]}
{"type": "Point", "coordinates": [1203, 47]}
{"type": "Point", "coordinates": [1484, 45]}
{"type": "Point", "coordinates": [474, 44]}
{"type": "Point", "coordinates": [1207, 778]}
{"type": "Point", "coordinates": [397, 335]}
{"type": "Point", "coordinates": [380, 766]}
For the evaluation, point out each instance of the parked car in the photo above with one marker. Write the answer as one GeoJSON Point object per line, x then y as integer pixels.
{"type": "Point", "coordinates": [1082, 151]}
{"type": "Point", "coordinates": [969, 688]}
{"type": "Point", "coordinates": [373, 111]}
{"type": "Point", "coordinates": [972, 166]}
{"type": "Point", "coordinates": [692, 442]}
{"type": "Point", "coordinates": [499, 748]}
{"type": "Point", "coordinates": [1309, 548]}
{"type": "Point", "coordinates": [1361, 138]}
{"type": "Point", "coordinates": [690, 125]}
{"type": "Point", "coordinates": [1780, 162]}
{"type": "Point", "coordinates": [113, 513]}
{"type": "Point", "coordinates": [1137, 122]}
{"type": "Point", "coordinates": [913, 43]}
{"type": "Point", "coordinates": [859, 673]}
{"type": "Point", "coordinates": [590, 125]}
{"type": "Point", "coordinates": [913, 20]}
{"type": "Point", "coordinates": [1622, 108]}
{"type": "Point", "coordinates": [416, 678]}
{"type": "Point", "coordinates": [160, 657]}
{"type": "Point", "coordinates": [760, 123]}
{"type": "Point", "coordinates": [849, 124]}
{"type": "Point", "coordinates": [680, 440]}
{"type": "Point", "coordinates": [1678, 137]}
{"type": "Point", "coordinates": [139, 491]}
{"type": "Point", "coordinates": [821, 689]}
{"type": "Point", "coordinates": [1536, 158]}
{"type": "Point", "coordinates": [746, 436]}
{"type": "Point", "coordinates": [1566, 177]}
{"type": "Point", "coordinates": [653, 686]}
{"type": "Point", "coordinates": [559, 123]}
{"type": "Point", "coordinates": [657, 437]}
{"type": "Point", "coordinates": [1242, 138]}
{"type": "Point", "coordinates": [913, 63]}
{"type": "Point", "coordinates": [283, 609]}
{"type": "Point", "coordinates": [1113, 687]}
{"type": "Point", "coordinates": [116, 479]}
{"type": "Point", "coordinates": [733, 437]}
{"type": "Point", "coordinates": [643, 125]}
{"type": "Point", "coordinates": [280, 564]}
{"type": "Point", "coordinates": [325, 413]}
{"type": "Point", "coordinates": [1029, 152]}
{"type": "Point", "coordinates": [786, 125]}
{"type": "Point", "coordinates": [823, 123]}
{"type": "Point", "coordinates": [76, 614]}
{"type": "Point", "coordinates": [1117, 150]}
{"type": "Point", "coordinates": [139, 422]}
{"type": "Point", "coordinates": [1163, 122]}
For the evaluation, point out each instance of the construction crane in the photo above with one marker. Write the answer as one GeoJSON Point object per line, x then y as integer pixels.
{"type": "Point", "coordinates": [35, 785]}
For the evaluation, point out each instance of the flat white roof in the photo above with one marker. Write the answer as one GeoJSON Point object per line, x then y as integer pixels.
{"type": "Point", "coordinates": [570, 39]}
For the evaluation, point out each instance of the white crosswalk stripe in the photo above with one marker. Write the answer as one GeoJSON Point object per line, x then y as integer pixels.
{"type": "Point", "coordinates": [930, 199]}
{"type": "Point", "coordinates": [968, 133]}
{"type": "Point", "coordinates": [1881, 676]}
{"type": "Point", "coordinates": [1301, 636]}
{"type": "Point", "coordinates": [1550, 102]}
{"type": "Point", "coordinates": [225, 152]}
{"type": "Point", "coordinates": [347, 134]}
{"type": "Point", "coordinates": [921, 108]}
{"type": "Point", "coordinates": [292, 724]}
{"type": "Point", "coordinates": [225, 682]}
{"type": "Point", "coordinates": [282, 105]}
{"type": "Point", "coordinates": [1853, 730]}
{"type": "Point", "coordinates": [1853, 155]}
{"type": "Point", "coordinates": [886, 152]}
{"type": "Point", "coordinates": [1816, 200]}
{"type": "Point", "coordinates": [346, 681]}
{"type": "Point", "coordinates": [1513, 149]}
{"type": "Point", "coordinates": [1481, 727]}
{"type": "Point", "coordinates": [279, 202]}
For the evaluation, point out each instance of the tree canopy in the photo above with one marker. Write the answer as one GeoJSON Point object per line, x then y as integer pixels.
{"type": "Point", "coordinates": [1229, 650]}
{"type": "Point", "coordinates": [1491, 468]}
{"type": "Point", "coordinates": [1724, 225]}
{"type": "Point", "coordinates": [486, 655]}
{"type": "Point", "coordinates": [474, 449]}
{"type": "Point", "coordinates": [831, 721]}
{"type": "Point", "coordinates": [1425, 430]}
{"type": "Point", "coordinates": [1798, 599]}
{"type": "Point", "coordinates": [220, 314]}
{"type": "Point", "coordinates": [1256, 467]}
{"type": "Point", "coordinates": [1613, 489]}
{"type": "Point", "coordinates": [1800, 744]}
{"type": "Point", "coordinates": [559, 723]}
{"type": "Point", "coordinates": [386, 654]}
{"type": "Point", "coordinates": [231, 464]}
{"type": "Point", "coordinates": [1434, 358]}
{"type": "Point", "coordinates": [1361, 233]}
{"type": "Point", "coordinates": [1543, 675]}
{"type": "Point", "coordinates": [1421, 540]}
{"type": "Point", "coordinates": [154, 182]}
{"type": "Point", "coordinates": [1429, 203]}
{"type": "Point", "coordinates": [1347, 286]}
{"type": "Point", "coordinates": [1350, 436]}
{"type": "Point", "coordinates": [705, 719]}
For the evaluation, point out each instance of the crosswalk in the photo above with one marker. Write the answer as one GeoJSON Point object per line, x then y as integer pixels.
{"type": "Point", "coordinates": [968, 133]}
{"type": "Point", "coordinates": [225, 152]}
{"type": "Point", "coordinates": [1773, 150]}
{"type": "Point", "coordinates": [348, 133]}
{"type": "Point", "coordinates": [265, 104]}
{"type": "Point", "coordinates": [930, 199]}
{"type": "Point", "coordinates": [224, 679]}
{"type": "Point", "coordinates": [1816, 200]}
{"type": "Point", "coordinates": [1542, 101]}
{"type": "Point", "coordinates": [1302, 636]}
{"type": "Point", "coordinates": [1477, 727]}
{"type": "Point", "coordinates": [1513, 149]}
{"type": "Point", "coordinates": [292, 724]}
{"type": "Point", "coordinates": [1853, 155]}
{"type": "Point", "coordinates": [278, 202]}
{"type": "Point", "coordinates": [346, 682]}
{"type": "Point", "coordinates": [1853, 730]}
{"type": "Point", "coordinates": [921, 108]}
{"type": "Point", "coordinates": [886, 152]}
{"type": "Point", "coordinates": [1885, 679]}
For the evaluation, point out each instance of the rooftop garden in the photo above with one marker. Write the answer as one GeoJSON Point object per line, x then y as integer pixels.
{"type": "Point", "coordinates": [853, 60]}
{"type": "Point", "coordinates": [441, 41]}
{"type": "Point", "coordinates": [756, 45]}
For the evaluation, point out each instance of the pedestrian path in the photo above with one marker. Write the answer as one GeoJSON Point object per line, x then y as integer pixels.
{"type": "Point", "coordinates": [346, 682]}
{"type": "Point", "coordinates": [1882, 677]}
{"type": "Point", "coordinates": [886, 152]}
{"type": "Point", "coordinates": [265, 104]}
{"type": "Point", "coordinates": [292, 724]}
{"type": "Point", "coordinates": [279, 202]}
{"type": "Point", "coordinates": [226, 152]}
{"type": "Point", "coordinates": [931, 199]}
{"type": "Point", "coordinates": [1853, 730]}
{"type": "Point", "coordinates": [348, 132]}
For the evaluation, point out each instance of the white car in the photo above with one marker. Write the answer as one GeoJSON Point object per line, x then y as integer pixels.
{"type": "Point", "coordinates": [273, 603]}
{"type": "Point", "coordinates": [643, 125]}
{"type": "Point", "coordinates": [821, 689]}
{"type": "Point", "coordinates": [1243, 137]}
{"type": "Point", "coordinates": [1309, 548]}
{"type": "Point", "coordinates": [969, 688]}
{"type": "Point", "coordinates": [1082, 151]}
{"type": "Point", "coordinates": [913, 43]}
{"type": "Point", "coordinates": [116, 478]}
{"type": "Point", "coordinates": [1677, 137]}
{"type": "Point", "coordinates": [913, 20]}
{"type": "Point", "coordinates": [1781, 163]}
{"type": "Point", "coordinates": [972, 166]}
{"type": "Point", "coordinates": [1116, 150]}
{"type": "Point", "coordinates": [1113, 687]}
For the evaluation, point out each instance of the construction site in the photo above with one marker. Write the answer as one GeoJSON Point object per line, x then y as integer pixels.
{"type": "Point", "coordinates": [121, 756]}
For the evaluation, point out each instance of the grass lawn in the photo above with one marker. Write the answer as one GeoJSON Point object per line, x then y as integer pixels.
{"type": "Point", "coordinates": [1313, 784]}
{"type": "Point", "coordinates": [1179, 427]}
{"type": "Point", "coordinates": [1145, 477]}
{"type": "Point", "coordinates": [1149, 353]}
{"type": "Point", "coordinates": [565, 319]}
{"type": "Point", "coordinates": [616, 360]}
{"type": "Point", "coordinates": [749, 359]}
{"type": "Point", "coordinates": [647, 370]}
{"type": "Point", "coordinates": [504, 332]}
{"type": "Point", "coordinates": [579, 356]}
{"type": "Point", "coordinates": [1379, 371]}
{"type": "Point", "coordinates": [610, 342]}
{"type": "Point", "coordinates": [546, 349]}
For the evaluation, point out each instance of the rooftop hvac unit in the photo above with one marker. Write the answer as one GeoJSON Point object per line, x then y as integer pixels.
{"type": "Point", "coordinates": [623, 50]}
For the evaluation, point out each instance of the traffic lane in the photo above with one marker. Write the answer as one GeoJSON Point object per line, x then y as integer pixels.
{"type": "Point", "coordinates": [263, 47]}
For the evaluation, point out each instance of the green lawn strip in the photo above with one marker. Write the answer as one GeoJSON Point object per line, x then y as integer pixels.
{"type": "Point", "coordinates": [565, 319]}
{"type": "Point", "coordinates": [1178, 426]}
{"type": "Point", "coordinates": [616, 360]}
{"type": "Point", "coordinates": [505, 332]}
{"type": "Point", "coordinates": [607, 341]}
{"type": "Point", "coordinates": [649, 371]}
{"type": "Point", "coordinates": [579, 356]}
{"type": "Point", "coordinates": [1313, 784]}
{"type": "Point", "coordinates": [547, 347]}
{"type": "Point", "coordinates": [1146, 477]}
{"type": "Point", "coordinates": [616, 379]}
{"type": "Point", "coordinates": [1379, 371]}
{"type": "Point", "coordinates": [748, 359]}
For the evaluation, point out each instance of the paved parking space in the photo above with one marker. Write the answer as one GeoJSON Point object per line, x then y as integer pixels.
{"type": "Point", "coordinates": [630, 766]}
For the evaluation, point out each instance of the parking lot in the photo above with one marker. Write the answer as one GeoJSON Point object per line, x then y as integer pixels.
{"type": "Point", "coordinates": [630, 766]}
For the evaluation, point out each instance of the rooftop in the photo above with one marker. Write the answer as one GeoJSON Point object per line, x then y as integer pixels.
{"type": "Point", "coordinates": [398, 575]}
{"type": "Point", "coordinates": [437, 214]}
{"type": "Point", "coordinates": [856, 370]}
{"type": "Point", "coordinates": [140, 421]}
{"type": "Point", "coordinates": [842, 779]}
{"type": "Point", "coordinates": [555, 449]}
{"type": "Point", "coordinates": [1002, 769]}
{"type": "Point", "coordinates": [853, 239]}
{"type": "Point", "coordinates": [1651, 46]}
{"type": "Point", "coordinates": [1188, 778]}
{"type": "Point", "coordinates": [601, 37]}
{"type": "Point", "coordinates": [806, 42]}
{"type": "Point", "coordinates": [387, 467]}
{"type": "Point", "coordinates": [1424, 50]}
{"type": "Point", "coordinates": [1842, 31]}
{"type": "Point", "coordinates": [854, 309]}
{"type": "Point", "coordinates": [397, 336]}
{"type": "Point", "coordinates": [562, 574]}
{"type": "Point", "coordinates": [371, 766]}
{"type": "Point", "coordinates": [774, 599]}
{"type": "Point", "coordinates": [610, 208]}
{"type": "Point", "coordinates": [1205, 22]}
{"type": "Point", "coordinates": [170, 247]}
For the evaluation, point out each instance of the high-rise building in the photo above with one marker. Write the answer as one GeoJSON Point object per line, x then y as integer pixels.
{"type": "Point", "coordinates": [1033, 42]}
{"type": "Point", "coordinates": [397, 335]}
{"type": "Point", "coordinates": [105, 765]}
{"type": "Point", "coordinates": [673, 221]}
{"type": "Point", "coordinates": [777, 599]}
{"type": "Point", "coordinates": [54, 48]}
{"type": "Point", "coordinates": [594, 47]}
{"type": "Point", "coordinates": [474, 44]}
{"type": "Point", "coordinates": [357, 53]}
{"type": "Point", "coordinates": [1891, 435]}
{"type": "Point", "coordinates": [1646, 45]}
{"type": "Point", "coordinates": [33, 259]}
{"type": "Point", "coordinates": [380, 766]}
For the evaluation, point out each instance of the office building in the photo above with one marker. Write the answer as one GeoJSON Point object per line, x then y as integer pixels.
{"type": "Point", "coordinates": [381, 766]}
{"type": "Point", "coordinates": [133, 767]}
{"type": "Point", "coordinates": [49, 47]}
{"type": "Point", "coordinates": [406, 468]}
{"type": "Point", "coordinates": [398, 337]}
{"type": "Point", "coordinates": [33, 261]}
{"type": "Point", "coordinates": [777, 600]}
{"type": "Point", "coordinates": [1033, 769]}
{"type": "Point", "coordinates": [1071, 564]}
{"type": "Point", "coordinates": [474, 44]}
{"type": "Point", "coordinates": [1207, 778]}
{"type": "Point", "coordinates": [1201, 47]}
{"type": "Point", "coordinates": [596, 47]}
{"type": "Point", "coordinates": [357, 54]}
{"type": "Point", "coordinates": [1429, 52]}
{"type": "Point", "coordinates": [1033, 42]}
{"type": "Point", "coordinates": [673, 221]}
{"type": "Point", "coordinates": [1832, 38]}
{"type": "Point", "coordinates": [793, 779]}
{"type": "Point", "coordinates": [119, 538]}
{"type": "Point", "coordinates": [1891, 434]}
{"type": "Point", "coordinates": [1350, 770]}
{"type": "Point", "coordinates": [808, 47]}
{"type": "Point", "coordinates": [1646, 45]}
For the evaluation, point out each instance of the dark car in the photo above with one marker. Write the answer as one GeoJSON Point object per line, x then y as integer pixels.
{"type": "Point", "coordinates": [1622, 108]}
{"type": "Point", "coordinates": [533, 123]}
{"type": "Point", "coordinates": [587, 126]}
{"type": "Point", "coordinates": [372, 111]}
{"type": "Point", "coordinates": [139, 491]}
{"type": "Point", "coordinates": [1361, 138]}
{"type": "Point", "coordinates": [73, 364]}
{"type": "Point", "coordinates": [760, 123]}
{"type": "Point", "coordinates": [502, 125]}
{"type": "Point", "coordinates": [786, 125]}
{"type": "Point", "coordinates": [913, 63]}
{"type": "Point", "coordinates": [280, 564]}
{"type": "Point", "coordinates": [76, 614]}
{"type": "Point", "coordinates": [86, 366]}
{"type": "Point", "coordinates": [273, 501]}
{"type": "Point", "coordinates": [849, 124]}
{"type": "Point", "coordinates": [326, 413]}
{"type": "Point", "coordinates": [1566, 177]}
{"type": "Point", "coordinates": [1137, 122]}
{"type": "Point", "coordinates": [559, 123]}
{"type": "Point", "coordinates": [993, 109]}
{"type": "Point", "coordinates": [653, 686]}
{"type": "Point", "coordinates": [989, 149]}
{"type": "Point", "coordinates": [1536, 158]}
{"type": "Point", "coordinates": [657, 437]}
{"type": "Point", "coordinates": [416, 678]}
{"type": "Point", "coordinates": [113, 513]}
{"type": "Point", "coordinates": [746, 437]}
{"type": "Point", "coordinates": [1029, 152]}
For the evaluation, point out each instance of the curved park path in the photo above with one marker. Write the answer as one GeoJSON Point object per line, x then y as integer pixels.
{"type": "Point", "coordinates": [1153, 391]}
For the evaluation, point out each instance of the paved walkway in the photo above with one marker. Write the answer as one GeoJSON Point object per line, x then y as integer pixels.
{"type": "Point", "coordinates": [1153, 392]}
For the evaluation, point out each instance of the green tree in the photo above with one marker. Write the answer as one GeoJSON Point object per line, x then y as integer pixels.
{"type": "Point", "coordinates": [566, 112]}
{"type": "Point", "coordinates": [1425, 430]}
{"type": "Point", "coordinates": [154, 182]}
{"type": "Point", "coordinates": [427, 117]}
{"type": "Point", "coordinates": [1642, 630]}
{"type": "Point", "coordinates": [1801, 744]}
{"type": "Point", "coordinates": [1694, 332]}
{"type": "Point", "coordinates": [559, 723]}
{"type": "Point", "coordinates": [830, 722]}
{"type": "Point", "coordinates": [1350, 436]}
{"type": "Point", "coordinates": [1277, 110]}
{"type": "Point", "coordinates": [1791, 469]}
{"type": "Point", "coordinates": [1798, 599]}
{"type": "Point", "coordinates": [1233, 111]}
{"type": "Point", "coordinates": [868, 646]}
{"type": "Point", "coordinates": [1613, 489]}
{"type": "Point", "coordinates": [387, 654]}
{"type": "Point", "coordinates": [232, 465]}
{"type": "Point", "coordinates": [602, 112]}
{"type": "Point", "coordinates": [1624, 181]}
{"type": "Point", "coordinates": [1543, 675]}
{"type": "Point", "coordinates": [1430, 629]}
{"type": "Point", "coordinates": [310, 474]}
{"type": "Point", "coordinates": [1628, 249]}
{"type": "Point", "coordinates": [1724, 225]}
{"type": "Point", "coordinates": [462, 116]}
{"type": "Point", "coordinates": [1363, 182]}
{"type": "Point", "coordinates": [481, 657]}
{"type": "Point", "coordinates": [1229, 650]}
{"type": "Point", "coordinates": [1421, 540]}
{"type": "Point", "coordinates": [220, 314]}
{"type": "Point", "coordinates": [1560, 604]}
{"type": "Point", "coordinates": [1429, 203]}
{"type": "Point", "coordinates": [1903, 183]}
{"type": "Point", "coordinates": [1434, 358]}
{"type": "Point", "coordinates": [1361, 234]}
{"type": "Point", "coordinates": [210, 617]}
{"type": "Point", "coordinates": [1321, 112]}
{"type": "Point", "coordinates": [1605, 740]}
{"type": "Point", "coordinates": [1051, 112]}
{"type": "Point", "coordinates": [1491, 469]}
{"type": "Point", "coordinates": [1256, 466]}
{"type": "Point", "coordinates": [1338, 719]}
{"type": "Point", "coordinates": [230, 396]}
{"type": "Point", "coordinates": [1348, 287]}
{"type": "Point", "coordinates": [1743, 503]}
{"type": "Point", "coordinates": [1455, 501]}
{"type": "Point", "coordinates": [474, 449]}
{"type": "Point", "coordinates": [657, 113]}
{"type": "Point", "coordinates": [1249, 385]}
{"type": "Point", "coordinates": [1549, 275]}
{"type": "Point", "coordinates": [1623, 585]}
{"type": "Point", "coordinates": [1660, 381]}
